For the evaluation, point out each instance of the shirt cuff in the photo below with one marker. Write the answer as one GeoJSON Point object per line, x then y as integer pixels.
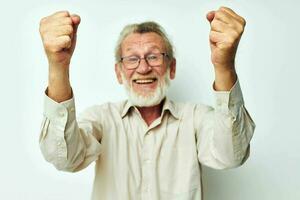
{"type": "Point", "coordinates": [229, 100]}
{"type": "Point", "coordinates": [63, 111]}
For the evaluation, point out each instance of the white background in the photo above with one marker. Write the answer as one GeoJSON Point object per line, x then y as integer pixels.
{"type": "Point", "coordinates": [267, 65]}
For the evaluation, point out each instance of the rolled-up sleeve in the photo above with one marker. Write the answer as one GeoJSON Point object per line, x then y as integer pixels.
{"type": "Point", "coordinates": [224, 131]}
{"type": "Point", "coordinates": [69, 144]}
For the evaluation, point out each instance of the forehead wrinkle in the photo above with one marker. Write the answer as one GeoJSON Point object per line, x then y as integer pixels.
{"type": "Point", "coordinates": [142, 41]}
{"type": "Point", "coordinates": [152, 47]}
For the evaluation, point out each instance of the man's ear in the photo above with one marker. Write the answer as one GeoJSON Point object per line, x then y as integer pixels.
{"type": "Point", "coordinates": [118, 73]}
{"type": "Point", "coordinates": [172, 69]}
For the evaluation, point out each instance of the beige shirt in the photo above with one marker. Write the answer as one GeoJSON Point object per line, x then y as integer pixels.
{"type": "Point", "coordinates": [139, 162]}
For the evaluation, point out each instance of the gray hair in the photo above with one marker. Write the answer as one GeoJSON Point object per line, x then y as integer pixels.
{"type": "Point", "coordinates": [144, 27]}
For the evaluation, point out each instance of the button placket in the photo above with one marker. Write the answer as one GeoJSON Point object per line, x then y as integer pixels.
{"type": "Point", "coordinates": [61, 113]}
{"type": "Point", "coordinates": [60, 140]}
{"type": "Point", "coordinates": [146, 161]}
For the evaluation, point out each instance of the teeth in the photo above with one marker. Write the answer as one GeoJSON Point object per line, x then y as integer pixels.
{"type": "Point", "coordinates": [144, 81]}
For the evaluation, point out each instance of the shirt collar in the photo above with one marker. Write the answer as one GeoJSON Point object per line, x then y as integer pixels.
{"type": "Point", "coordinates": [167, 105]}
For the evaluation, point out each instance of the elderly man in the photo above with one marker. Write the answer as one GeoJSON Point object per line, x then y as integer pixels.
{"type": "Point", "coordinates": [146, 147]}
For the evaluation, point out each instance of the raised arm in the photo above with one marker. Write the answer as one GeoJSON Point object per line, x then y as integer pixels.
{"type": "Point", "coordinates": [224, 131]}
{"type": "Point", "coordinates": [58, 32]}
{"type": "Point", "coordinates": [70, 144]}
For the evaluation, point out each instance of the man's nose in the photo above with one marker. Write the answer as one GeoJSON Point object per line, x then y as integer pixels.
{"type": "Point", "coordinates": [143, 67]}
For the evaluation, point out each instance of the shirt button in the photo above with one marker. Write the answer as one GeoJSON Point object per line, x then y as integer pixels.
{"type": "Point", "coordinates": [146, 189]}
{"type": "Point", "coordinates": [72, 109]}
{"type": "Point", "coordinates": [219, 102]}
{"type": "Point", "coordinates": [62, 113]}
{"type": "Point", "coordinates": [148, 161]}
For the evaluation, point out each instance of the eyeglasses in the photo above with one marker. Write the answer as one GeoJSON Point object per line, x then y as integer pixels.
{"type": "Point", "coordinates": [153, 60]}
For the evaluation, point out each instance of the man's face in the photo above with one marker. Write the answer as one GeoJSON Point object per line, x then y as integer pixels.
{"type": "Point", "coordinates": [145, 85]}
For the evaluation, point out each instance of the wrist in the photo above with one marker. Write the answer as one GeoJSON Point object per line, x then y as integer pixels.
{"type": "Point", "coordinates": [224, 67]}
{"type": "Point", "coordinates": [58, 70]}
{"type": "Point", "coordinates": [225, 79]}
{"type": "Point", "coordinates": [59, 87]}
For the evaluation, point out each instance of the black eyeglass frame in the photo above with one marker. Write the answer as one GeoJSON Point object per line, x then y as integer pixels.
{"type": "Point", "coordinates": [165, 55]}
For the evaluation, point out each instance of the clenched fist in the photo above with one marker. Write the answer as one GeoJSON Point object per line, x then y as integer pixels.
{"type": "Point", "coordinates": [58, 32]}
{"type": "Point", "coordinates": [226, 30]}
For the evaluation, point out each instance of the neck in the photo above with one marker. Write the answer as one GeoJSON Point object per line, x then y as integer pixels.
{"type": "Point", "coordinates": [149, 114]}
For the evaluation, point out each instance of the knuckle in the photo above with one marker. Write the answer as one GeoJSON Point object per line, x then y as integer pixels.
{"type": "Point", "coordinates": [239, 30]}
{"type": "Point", "coordinates": [42, 24]}
{"type": "Point", "coordinates": [66, 13]}
{"type": "Point", "coordinates": [243, 21]}
{"type": "Point", "coordinates": [222, 8]}
{"type": "Point", "coordinates": [69, 29]}
{"type": "Point", "coordinates": [212, 34]}
{"type": "Point", "coordinates": [52, 44]}
{"type": "Point", "coordinates": [49, 46]}
{"type": "Point", "coordinates": [67, 40]}
{"type": "Point", "coordinates": [218, 14]}
{"type": "Point", "coordinates": [214, 23]}
{"type": "Point", "coordinates": [43, 20]}
{"type": "Point", "coordinates": [69, 21]}
{"type": "Point", "coordinates": [42, 30]}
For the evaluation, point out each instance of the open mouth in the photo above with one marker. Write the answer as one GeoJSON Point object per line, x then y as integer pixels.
{"type": "Point", "coordinates": [145, 81]}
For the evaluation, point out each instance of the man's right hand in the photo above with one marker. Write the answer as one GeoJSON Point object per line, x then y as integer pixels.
{"type": "Point", "coordinates": [58, 32]}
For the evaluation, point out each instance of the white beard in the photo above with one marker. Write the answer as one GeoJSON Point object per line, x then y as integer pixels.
{"type": "Point", "coordinates": [151, 99]}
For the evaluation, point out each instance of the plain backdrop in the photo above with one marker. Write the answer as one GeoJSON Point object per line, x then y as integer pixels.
{"type": "Point", "coordinates": [267, 64]}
